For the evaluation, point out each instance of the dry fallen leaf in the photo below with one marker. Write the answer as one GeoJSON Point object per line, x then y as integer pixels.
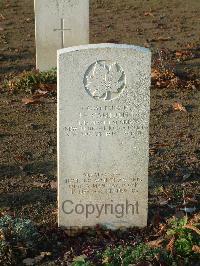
{"type": "Point", "coordinates": [183, 54]}
{"type": "Point", "coordinates": [162, 228]}
{"type": "Point", "coordinates": [2, 236]}
{"type": "Point", "coordinates": [40, 95]}
{"type": "Point", "coordinates": [192, 159]}
{"type": "Point", "coordinates": [148, 14]}
{"type": "Point", "coordinates": [179, 107]}
{"type": "Point", "coordinates": [53, 185]}
{"type": "Point", "coordinates": [30, 101]}
{"type": "Point", "coordinates": [178, 54]}
{"type": "Point", "coordinates": [192, 227]}
{"type": "Point", "coordinates": [196, 249]}
{"type": "Point", "coordinates": [2, 17]}
{"type": "Point", "coordinates": [155, 243]}
{"type": "Point", "coordinates": [164, 38]}
{"type": "Point", "coordinates": [41, 92]}
{"type": "Point", "coordinates": [163, 201]}
{"type": "Point", "coordinates": [170, 245]}
{"type": "Point", "coordinates": [155, 74]}
{"type": "Point", "coordinates": [191, 200]}
{"type": "Point", "coordinates": [55, 212]}
{"type": "Point", "coordinates": [161, 38]}
{"type": "Point", "coordinates": [48, 87]}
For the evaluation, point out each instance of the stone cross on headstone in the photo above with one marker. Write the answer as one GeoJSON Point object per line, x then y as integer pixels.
{"type": "Point", "coordinates": [50, 37]}
{"type": "Point", "coordinates": [62, 30]}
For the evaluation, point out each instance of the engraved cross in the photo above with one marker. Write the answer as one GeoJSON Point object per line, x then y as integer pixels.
{"type": "Point", "coordinates": [62, 30]}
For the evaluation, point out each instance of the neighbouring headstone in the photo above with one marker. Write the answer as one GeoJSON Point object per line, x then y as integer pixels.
{"type": "Point", "coordinates": [103, 135]}
{"type": "Point", "coordinates": [59, 24]}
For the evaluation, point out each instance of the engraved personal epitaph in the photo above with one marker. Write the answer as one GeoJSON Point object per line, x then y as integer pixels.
{"type": "Point", "coordinates": [59, 24]}
{"type": "Point", "coordinates": [103, 135]}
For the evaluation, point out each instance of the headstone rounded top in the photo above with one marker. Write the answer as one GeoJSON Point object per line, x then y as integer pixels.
{"type": "Point", "coordinates": [103, 45]}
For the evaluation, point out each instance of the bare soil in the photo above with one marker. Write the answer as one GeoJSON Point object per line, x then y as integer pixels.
{"type": "Point", "coordinates": [28, 133]}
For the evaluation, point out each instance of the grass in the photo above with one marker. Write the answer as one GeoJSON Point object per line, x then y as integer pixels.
{"type": "Point", "coordinates": [179, 244]}
{"type": "Point", "coordinates": [17, 236]}
{"type": "Point", "coordinates": [30, 81]}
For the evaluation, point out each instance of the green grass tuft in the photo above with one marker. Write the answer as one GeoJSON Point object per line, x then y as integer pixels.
{"type": "Point", "coordinates": [29, 81]}
{"type": "Point", "coordinates": [16, 233]}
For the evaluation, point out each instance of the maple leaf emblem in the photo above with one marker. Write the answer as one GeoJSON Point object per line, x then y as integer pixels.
{"type": "Point", "coordinates": [105, 80]}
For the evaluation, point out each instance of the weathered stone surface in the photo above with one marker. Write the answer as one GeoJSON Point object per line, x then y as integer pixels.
{"type": "Point", "coordinates": [103, 135]}
{"type": "Point", "coordinates": [58, 24]}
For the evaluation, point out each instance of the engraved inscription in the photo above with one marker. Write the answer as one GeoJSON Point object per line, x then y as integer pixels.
{"type": "Point", "coordinates": [104, 80]}
{"type": "Point", "coordinates": [62, 3]}
{"type": "Point", "coordinates": [102, 183]}
{"type": "Point", "coordinates": [108, 121]}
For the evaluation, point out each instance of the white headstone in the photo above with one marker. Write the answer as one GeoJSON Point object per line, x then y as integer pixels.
{"type": "Point", "coordinates": [59, 24]}
{"type": "Point", "coordinates": [103, 135]}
